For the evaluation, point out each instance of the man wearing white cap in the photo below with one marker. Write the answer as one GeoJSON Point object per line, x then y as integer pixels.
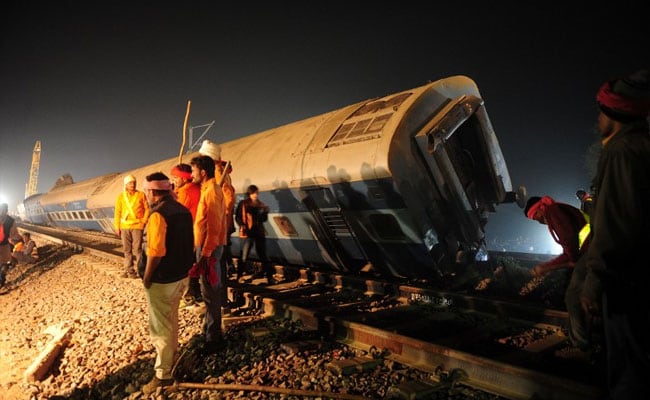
{"type": "Point", "coordinates": [222, 172]}
{"type": "Point", "coordinates": [131, 213]}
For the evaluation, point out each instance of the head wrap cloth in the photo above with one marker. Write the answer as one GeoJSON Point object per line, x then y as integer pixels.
{"type": "Point", "coordinates": [625, 105]}
{"type": "Point", "coordinates": [211, 149]}
{"type": "Point", "coordinates": [129, 178]}
{"type": "Point", "coordinates": [541, 204]}
{"type": "Point", "coordinates": [181, 174]}
{"type": "Point", "coordinates": [626, 99]}
{"type": "Point", "coordinates": [158, 185]}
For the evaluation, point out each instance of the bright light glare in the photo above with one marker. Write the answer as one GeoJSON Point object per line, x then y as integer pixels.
{"type": "Point", "coordinates": [3, 198]}
{"type": "Point", "coordinates": [544, 244]}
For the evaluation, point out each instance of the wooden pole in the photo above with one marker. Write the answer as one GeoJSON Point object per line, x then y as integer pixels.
{"type": "Point", "coordinates": [187, 115]}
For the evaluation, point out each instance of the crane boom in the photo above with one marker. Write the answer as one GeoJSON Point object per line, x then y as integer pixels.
{"type": "Point", "coordinates": [33, 171]}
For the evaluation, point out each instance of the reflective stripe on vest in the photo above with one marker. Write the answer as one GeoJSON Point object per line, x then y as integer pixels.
{"type": "Point", "coordinates": [583, 235]}
{"type": "Point", "coordinates": [584, 232]}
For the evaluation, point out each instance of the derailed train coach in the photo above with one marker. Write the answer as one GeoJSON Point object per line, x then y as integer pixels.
{"type": "Point", "coordinates": [396, 185]}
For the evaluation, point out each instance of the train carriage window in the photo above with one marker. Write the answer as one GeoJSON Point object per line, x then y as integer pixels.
{"type": "Point", "coordinates": [285, 225]}
{"type": "Point", "coordinates": [88, 215]}
{"type": "Point", "coordinates": [75, 215]}
{"type": "Point", "coordinates": [386, 226]}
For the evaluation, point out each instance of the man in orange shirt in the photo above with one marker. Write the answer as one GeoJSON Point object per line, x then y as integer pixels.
{"type": "Point", "coordinates": [188, 194]}
{"type": "Point", "coordinates": [222, 172]}
{"type": "Point", "coordinates": [131, 213]}
{"type": "Point", "coordinates": [209, 239]}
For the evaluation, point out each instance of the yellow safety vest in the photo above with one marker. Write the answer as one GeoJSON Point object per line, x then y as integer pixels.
{"type": "Point", "coordinates": [585, 231]}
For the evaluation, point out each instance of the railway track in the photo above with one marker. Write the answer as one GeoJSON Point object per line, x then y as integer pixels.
{"type": "Point", "coordinates": [504, 348]}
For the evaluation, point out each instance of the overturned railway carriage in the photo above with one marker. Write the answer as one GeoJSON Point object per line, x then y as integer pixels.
{"type": "Point", "coordinates": [401, 182]}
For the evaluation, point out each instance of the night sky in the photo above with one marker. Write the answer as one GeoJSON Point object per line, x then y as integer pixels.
{"type": "Point", "coordinates": [104, 85]}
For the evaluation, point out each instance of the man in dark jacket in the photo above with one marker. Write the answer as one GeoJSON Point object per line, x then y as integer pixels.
{"type": "Point", "coordinates": [250, 215]}
{"type": "Point", "coordinates": [621, 233]}
{"type": "Point", "coordinates": [170, 255]}
{"type": "Point", "coordinates": [8, 236]}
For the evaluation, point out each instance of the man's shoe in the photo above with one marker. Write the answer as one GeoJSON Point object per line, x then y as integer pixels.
{"type": "Point", "coordinates": [186, 302]}
{"type": "Point", "coordinates": [155, 383]}
{"type": "Point", "coordinates": [129, 273]}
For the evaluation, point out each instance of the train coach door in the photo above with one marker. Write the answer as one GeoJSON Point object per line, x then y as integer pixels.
{"type": "Point", "coordinates": [332, 230]}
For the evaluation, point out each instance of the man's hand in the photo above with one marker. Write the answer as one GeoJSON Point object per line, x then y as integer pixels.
{"type": "Point", "coordinates": [147, 283]}
{"type": "Point", "coordinates": [538, 271]}
{"type": "Point", "coordinates": [203, 263]}
{"type": "Point", "coordinates": [590, 297]}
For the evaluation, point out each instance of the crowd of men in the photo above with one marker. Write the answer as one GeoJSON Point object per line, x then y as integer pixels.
{"type": "Point", "coordinates": [186, 222]}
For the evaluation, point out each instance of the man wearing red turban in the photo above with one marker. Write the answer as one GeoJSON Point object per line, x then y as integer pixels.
{"type": "Point", "coordinates": [621, 232]}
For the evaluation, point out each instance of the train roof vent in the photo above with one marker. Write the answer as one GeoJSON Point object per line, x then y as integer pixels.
{"type": "Point", "coordinates": [359, 131]}
{"type": "Point", "coordinates": [367, 121]}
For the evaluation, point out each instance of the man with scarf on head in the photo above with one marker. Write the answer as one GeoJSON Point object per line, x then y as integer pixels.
{"type": "Point", "coordinates": [170, 255]}
{"type": "Point", "coordinates": [564, 224]}
{"type": "Point", "coordinates": [188, 194]}
{"type": "Point", "coordinates": [570, 228]}
{"type": "Point", "coordinates": [616, 257]}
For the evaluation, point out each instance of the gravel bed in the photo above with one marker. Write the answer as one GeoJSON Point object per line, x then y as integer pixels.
{"type": "Point", "coordinates": [108, 354]}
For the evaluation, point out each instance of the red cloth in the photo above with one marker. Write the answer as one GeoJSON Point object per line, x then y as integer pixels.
{"type": "Point", "coordinates": [211, 273]}
{"type": "Point", "coordinates": [620, 103]}
{"type": "Point", "coordinates": [180, 173]}
{"type": "Point", "coordinates": [564, 223]}
{"type": "Point", "coordinates": [542, 203]}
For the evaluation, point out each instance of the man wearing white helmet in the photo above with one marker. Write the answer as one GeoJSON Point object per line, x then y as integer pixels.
{"type": "Point", "coordinates": [131, 213]}
{"type": "Point", "coordinates": [222, 172]}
